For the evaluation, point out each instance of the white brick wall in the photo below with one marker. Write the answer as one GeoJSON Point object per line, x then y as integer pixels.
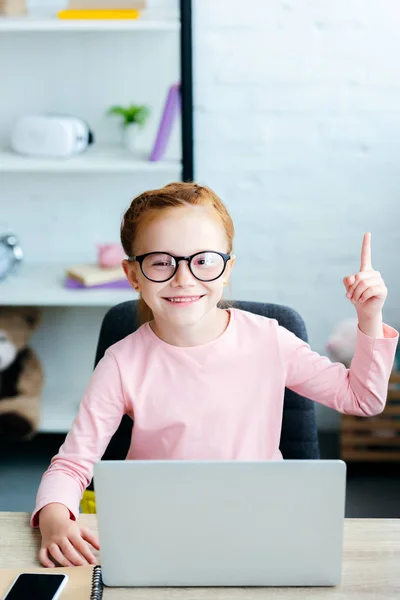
{"type": "Point", "coordinates": [297, 127]}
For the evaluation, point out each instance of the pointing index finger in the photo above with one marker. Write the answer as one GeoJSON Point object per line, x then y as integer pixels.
{"type": "Point", "coordinates": [366, 253]}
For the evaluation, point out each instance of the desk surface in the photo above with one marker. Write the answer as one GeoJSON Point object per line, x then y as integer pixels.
{"type": "Point", "coordinates": [371, 564]}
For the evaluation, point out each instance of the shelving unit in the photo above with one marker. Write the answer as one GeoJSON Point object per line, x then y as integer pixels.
{"type": "Point", "coordinates": [374, 439]}
{"type": "Point", "coordinates": [69, 205]}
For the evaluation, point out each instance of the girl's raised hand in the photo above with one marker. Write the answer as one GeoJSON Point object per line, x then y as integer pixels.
{"type": "Point", "coordinates": [366, 289]}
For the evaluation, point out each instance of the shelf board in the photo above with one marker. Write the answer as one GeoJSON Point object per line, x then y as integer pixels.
{"type": "Point", "coordinates": [96, 159]}
{"type": "Point", "coordinates": [42, 285]}
{"type": "Point", "coordinates": [42, 23]}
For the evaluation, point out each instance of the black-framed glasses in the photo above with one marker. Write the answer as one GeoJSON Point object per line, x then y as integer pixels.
{"type": "Point", "coordinates": [162, 266]}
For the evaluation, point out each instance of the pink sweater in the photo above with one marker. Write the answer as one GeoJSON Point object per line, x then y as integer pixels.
{"type": "Point", "coordinates": [221, 400]}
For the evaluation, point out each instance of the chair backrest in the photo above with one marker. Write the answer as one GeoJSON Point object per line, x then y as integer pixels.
{"type": "Point", "coordinates": [299, 438]}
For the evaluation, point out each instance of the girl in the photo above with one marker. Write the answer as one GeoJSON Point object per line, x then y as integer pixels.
{"type": "Point", "coordinates": [200, 382]}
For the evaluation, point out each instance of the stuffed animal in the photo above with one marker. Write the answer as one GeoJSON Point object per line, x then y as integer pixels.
{"type": "Point", "coordinates": [21, 375]}
{"type": "Point", "coordinates": [342, 343]}
{"type": "Point", "coordinates": [341, 347]}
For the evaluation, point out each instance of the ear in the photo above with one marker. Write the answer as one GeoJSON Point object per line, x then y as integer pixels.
{"type": "Point", "coordinates": [131, 274]}
{"type": "Point", "coordinates": [31, 314]}
{"type": "Point", "coordinates": [229, 267]}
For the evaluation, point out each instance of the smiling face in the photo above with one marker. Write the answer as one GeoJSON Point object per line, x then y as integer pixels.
{"type": "Point", "coordinates": [183, 300]}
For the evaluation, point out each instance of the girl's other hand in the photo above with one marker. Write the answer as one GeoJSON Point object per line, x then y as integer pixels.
{"type": "Point", "coordinates": [63, 540]}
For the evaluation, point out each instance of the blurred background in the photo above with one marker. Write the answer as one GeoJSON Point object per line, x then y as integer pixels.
{"type": "Point", "coordinates": [289, 110]}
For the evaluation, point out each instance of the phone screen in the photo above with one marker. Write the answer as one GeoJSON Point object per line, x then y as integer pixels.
{"type": "Point", "coordinates": [36, 586]}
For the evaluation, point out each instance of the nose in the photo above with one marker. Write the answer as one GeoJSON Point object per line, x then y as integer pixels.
{"type": "Point", "coordinates": [183, 276]}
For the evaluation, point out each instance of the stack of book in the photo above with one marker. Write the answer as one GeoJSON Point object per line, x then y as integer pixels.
{"type": "Point", "coordinates": [91, 276]}
{"type": "Point", "coordinates": [12, 7]}
{"type": "Point", "coordinates": [102, 9]}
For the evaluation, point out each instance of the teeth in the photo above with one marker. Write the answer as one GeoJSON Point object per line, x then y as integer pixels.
{"type": "Point", "coordinates": [183, 299]}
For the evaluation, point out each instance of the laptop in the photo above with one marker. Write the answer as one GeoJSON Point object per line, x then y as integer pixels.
{"type": "Point", "coordinates": [220, 523]}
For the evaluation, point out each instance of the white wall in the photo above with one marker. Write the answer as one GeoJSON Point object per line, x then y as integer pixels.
{"type": "Point", "coordinates": [297, 127]}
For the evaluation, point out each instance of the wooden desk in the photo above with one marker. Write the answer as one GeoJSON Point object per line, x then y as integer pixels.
{"type": "Point", "coordinates": [371, 565]}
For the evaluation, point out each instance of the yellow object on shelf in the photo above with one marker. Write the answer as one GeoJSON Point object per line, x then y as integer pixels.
{"type": "Point", "coordinates": [88, 503]}
{"type": "Point", "coordinates": [88, 14]}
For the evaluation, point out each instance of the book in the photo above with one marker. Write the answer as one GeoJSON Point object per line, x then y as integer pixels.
{"type": "Point", "coordinates": [121, 284]}
{"type": "Point", "coordinates": [84, 583]}
{"type": "Point", "coordinates": [171, 110]}
{"type": "Point", "coordinates": [91, 274]}
{"type": "Point", "coordinates": [98, 14]}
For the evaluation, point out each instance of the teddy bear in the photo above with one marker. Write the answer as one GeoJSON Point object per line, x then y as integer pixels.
{"type": "Point", "coordinates": [21, 374]}
{"type": "Point", "coordinates": [342, 342]}
{"type": "Point", "coordinates": [341, 347]}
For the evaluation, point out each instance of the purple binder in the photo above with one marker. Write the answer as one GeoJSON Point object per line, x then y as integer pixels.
{"type": "Point", "coordinates": [171, 110]}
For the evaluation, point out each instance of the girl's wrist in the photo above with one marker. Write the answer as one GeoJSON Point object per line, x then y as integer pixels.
{"type": "Point", "coordinates": [372, 326]}
{"type": "Point", "coordinates": [52, 511]}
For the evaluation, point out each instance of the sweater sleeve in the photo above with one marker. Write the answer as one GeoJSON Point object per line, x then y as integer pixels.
{"type": "Point", "coordinates": [360, 390]}
{"type": "Point", "coordinates": [100, 412]}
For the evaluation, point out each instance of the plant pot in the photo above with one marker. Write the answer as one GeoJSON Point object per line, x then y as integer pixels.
{"type": "Point", "coordinates": [130, 137]}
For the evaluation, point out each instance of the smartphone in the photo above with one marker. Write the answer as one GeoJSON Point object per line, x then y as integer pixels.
{"type": "Point", "coordinates": [37, 586]}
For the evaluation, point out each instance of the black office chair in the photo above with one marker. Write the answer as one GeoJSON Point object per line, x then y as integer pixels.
{"type": "Point", "coordinates": [299, 438]}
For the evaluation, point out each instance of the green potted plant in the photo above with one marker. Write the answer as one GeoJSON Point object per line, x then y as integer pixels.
{"type": "Point", "coordinates": [134, 117]}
